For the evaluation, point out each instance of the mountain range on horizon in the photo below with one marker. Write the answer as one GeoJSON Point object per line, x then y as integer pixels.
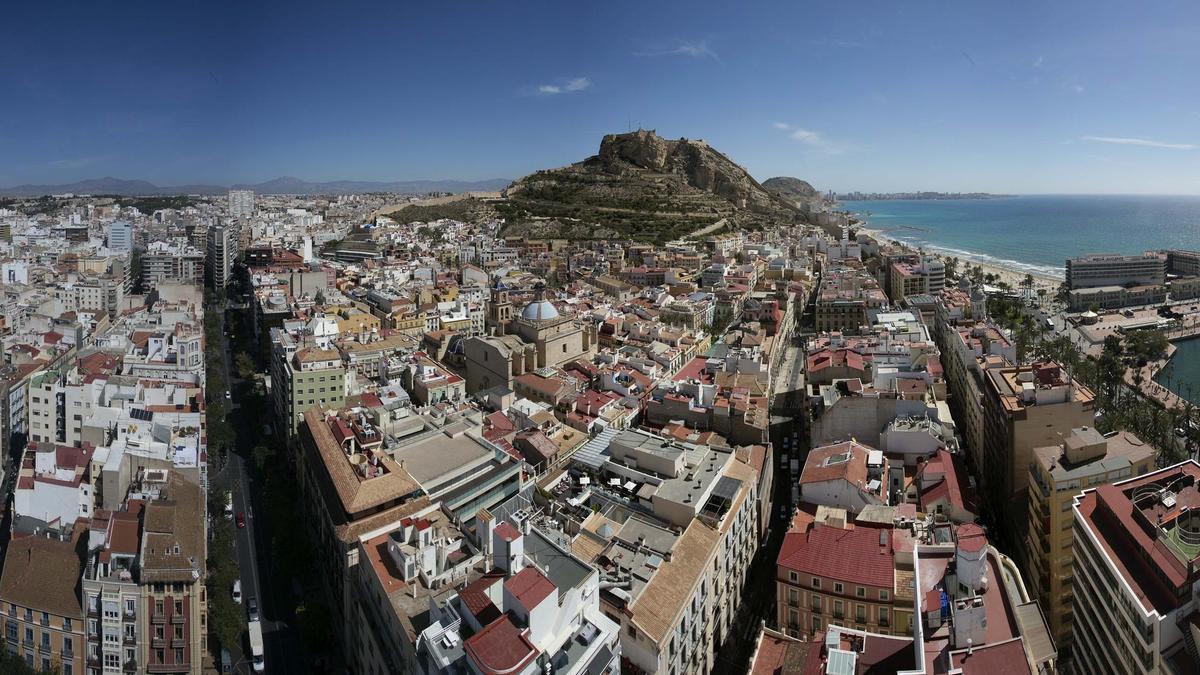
{"type": "Point", "coordinates": [284, 185]}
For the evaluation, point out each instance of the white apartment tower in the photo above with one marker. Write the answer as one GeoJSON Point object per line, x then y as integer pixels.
{"type": "Point", "coordinates": [222, 251]}
{"type": "Point", "coordinates": [120, 236]}
{"type": "Point", "coordinates": [241, 203]}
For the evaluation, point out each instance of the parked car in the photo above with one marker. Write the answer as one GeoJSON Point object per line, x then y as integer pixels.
{"type": "Point", "coordinates": [252, 609]}
{"type": "Point", "coordinates": [237, 591]}
{"type": "Point", "coordinates": [241, 519]}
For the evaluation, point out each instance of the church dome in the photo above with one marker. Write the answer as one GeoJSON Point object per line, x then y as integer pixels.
{"type": "Point", "coordinates": [539, 310]}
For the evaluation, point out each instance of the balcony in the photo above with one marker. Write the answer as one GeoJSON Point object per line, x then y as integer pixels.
{"type": "Point", "coordinates": [158, 618]}
{"type": "Point", "coordinates": [158, 642]}
{"type": "Point", "coordinates": [129, 667]}
{"type": "Point", "coordinates": [177, 619]}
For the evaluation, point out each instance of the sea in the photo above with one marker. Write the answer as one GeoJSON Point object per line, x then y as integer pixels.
{"type": "Point", "coordinates": [1037, 233]}
{"type": "Point", "coordinates": [1183, 369]}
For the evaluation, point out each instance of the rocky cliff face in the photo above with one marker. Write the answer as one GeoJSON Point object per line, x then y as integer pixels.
{"type": "Point", "coordinates": [695, 161]}
{"type": "Point", "coordinates": [643, 185]}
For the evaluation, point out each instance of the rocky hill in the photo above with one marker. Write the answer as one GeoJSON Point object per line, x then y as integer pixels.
{"type": "Point", "coordinates": [791, 189]}
{"type": "Point", "coordinates": [643, 186]}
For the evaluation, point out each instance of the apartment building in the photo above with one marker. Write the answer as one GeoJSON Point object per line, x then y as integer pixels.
{"type": "Point", "coordinates": [1136, 578]}
{"type": "Point", "coordinates": [171, 262]}
{"type": "Point", "coordinates": [847, 299]}
{"type": "Point", "coordinates": [1058, 473]}
{"type": "Point", "coordinates": [303, 376]}
{"type": "Point", "coordinates": [676, 529]}
{"type": "Point", "coordinates": [120, 236]}
{"type": "Point", "coordinates": [1147, 269]}
{"type": "Point", "coordinates": [1025, 407]}
{"type": "Point", "coordinates": [221, 254]}
{"type": "Point", "coordinates": [40, 605]}
{"type": "Point", "coordinates": [241, 203]}
{"type": "Point", "coordinates": [917, 275]}
{"type": "Point", "coordinates": [535, 609]}
{"type": "Point", "coordinates": [143, 586]}
{"type": "Point", "coordinates": [829, 575]}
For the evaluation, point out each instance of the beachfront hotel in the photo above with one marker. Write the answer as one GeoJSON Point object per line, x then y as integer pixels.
{"type": "Point", "coordinates": [1103, 269]}
{"type": "Point", "coordinates": [1137, 581]}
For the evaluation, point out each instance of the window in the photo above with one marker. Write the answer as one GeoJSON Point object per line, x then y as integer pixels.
{"type": "Point", "coordinates": [10, 629]}
{"type": "Point", "coordinates": [68, 646]}
{"type": "Point", "coordinates": [860, 592]}
{"type": "Point", "coordinates": [46, 639]}
{"type": "Point", "coordinates": [860, 613]}
{"type": "Point", "coordinates": [45, 619]}
{"type": "Point", "coordinates": [884, 618]}
{"type": "Point", "coordinates": [158, 633]}
{"type": "Point", "coordinates": [816, 582]}
{"type": "Point", "coordinates": [883, 595]}
{"type": "Point", "coordinates": [838, 609]}
{"type": "Point", "coordinates": [838, 588]}
{"type": "Point", "coordinates": [112, 661]}
{"type": "Point", "coordinates": [178, 632]}
{"type": "Point", "coordinates": [160, 656]}
{"type": "Point", "coordinates": [178, 655]}
{"type": "Point", "coordinates": [159, 607]}
{"type": "Point", "coordinates": [178, 607]}
{"type": "Point", "coordinates": [28, 634]}
{"type": "Point", "coordinates": [68, 625]}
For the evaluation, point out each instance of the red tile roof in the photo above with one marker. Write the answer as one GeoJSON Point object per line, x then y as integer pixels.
{"type": "Point", "coordinates": [500, 648]}
{"type": "Point", "coordinates": [854, 470]}
{"type": "Point", "coordinates": [475, 598]}
{"type": "Point", "coordinates": [854, 556]}
{"type": "Point", "coordinates": [1002, 657]}
{"type": "Point", "coordinates": [507, 531]}
{"type": "Point", "coordinates": [530, 587]}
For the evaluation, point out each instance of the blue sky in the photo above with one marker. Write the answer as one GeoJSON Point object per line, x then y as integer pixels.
{"type": "Point", "coordinates": [1004, 97]}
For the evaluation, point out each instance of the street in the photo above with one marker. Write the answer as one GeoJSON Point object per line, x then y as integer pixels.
{"type": "Point", "coordinates": [281, 654]}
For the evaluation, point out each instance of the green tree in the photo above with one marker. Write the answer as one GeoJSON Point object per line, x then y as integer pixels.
{"type": "Point", "coordinates": [261, 455]}
{"type": "Point", "coordinates": [245, 366]}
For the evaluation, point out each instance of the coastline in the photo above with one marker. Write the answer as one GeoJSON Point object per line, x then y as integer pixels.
{"type": "Point", "coordinates": [1012, 275]}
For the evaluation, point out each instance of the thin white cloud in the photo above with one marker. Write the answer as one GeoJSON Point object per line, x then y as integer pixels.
{"type": "Point", "coordinates": [574, 84]}
{"type": "Point", "coordinates": [1143, 142]}
{"type": "Point", "coordinates": [810, 138]}
{"type": "Point", "coordinates": [71, 163]}
{"type": "Point", "coordinates": [1037, 63]}
{"type": "Point", "coordinates": [694, 50]}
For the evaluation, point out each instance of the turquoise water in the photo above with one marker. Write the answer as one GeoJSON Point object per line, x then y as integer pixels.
{"type": "Point", "coordinates": [1184, 367]}
{"type": "Point", "coordinates": [1038, 233]}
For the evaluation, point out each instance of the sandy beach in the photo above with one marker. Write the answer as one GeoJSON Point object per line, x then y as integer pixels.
{"type": "Point", "coordinates": [1013, 277]}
